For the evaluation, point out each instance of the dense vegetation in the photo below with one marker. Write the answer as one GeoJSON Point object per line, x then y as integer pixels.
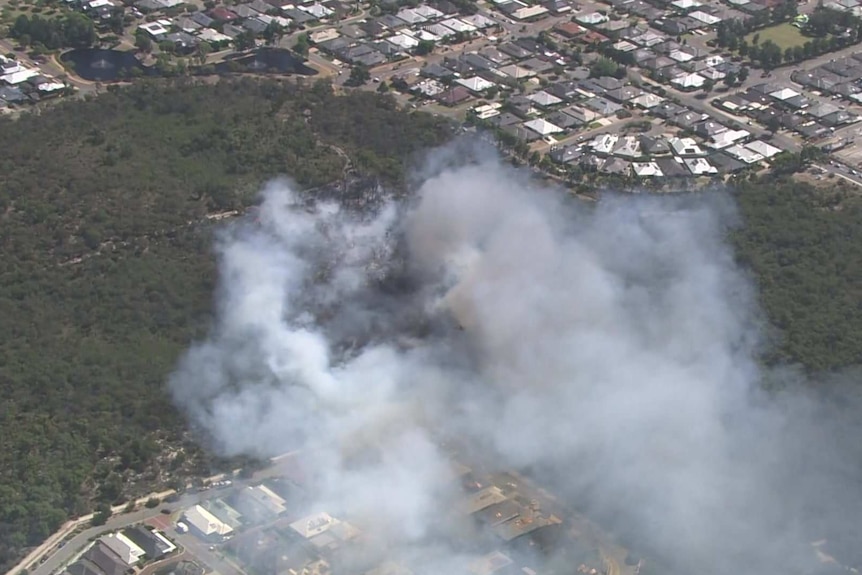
{"type": "Point", "coordinates": [106, 271]}
{"type": "Point", "coordinates": [71, 30]}
{"type": "Point", "coordinates": [805, 249]}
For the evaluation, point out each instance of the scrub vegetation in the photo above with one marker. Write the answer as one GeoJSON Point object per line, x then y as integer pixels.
{"type": "Point", "coordinates": [106, 270]}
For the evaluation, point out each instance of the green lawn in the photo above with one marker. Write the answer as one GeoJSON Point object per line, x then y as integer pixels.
{"type": "Point", "coordinates": [785, 35]}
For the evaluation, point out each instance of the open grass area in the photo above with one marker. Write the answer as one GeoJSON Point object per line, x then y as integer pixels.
{"type": "Point", "coordinates": [785, 35]}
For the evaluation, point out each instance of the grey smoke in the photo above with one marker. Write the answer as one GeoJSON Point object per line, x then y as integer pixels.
{"type": "Point", "coordinates": [610, 348]}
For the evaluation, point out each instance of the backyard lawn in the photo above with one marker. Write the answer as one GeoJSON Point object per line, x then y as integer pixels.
{"type": "Point", "coordinates": [785, 35]}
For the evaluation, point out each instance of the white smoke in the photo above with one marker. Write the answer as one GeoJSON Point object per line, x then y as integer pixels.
{"type": "Point", "coordinates": [610, 346]}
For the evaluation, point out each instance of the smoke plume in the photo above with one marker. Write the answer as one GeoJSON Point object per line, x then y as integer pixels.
{"type": "Point", "coordinates": [609, 350]}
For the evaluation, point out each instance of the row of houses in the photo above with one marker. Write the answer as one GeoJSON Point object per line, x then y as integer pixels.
{"type": "Point", "coordinates": [778, 106]}
{"type": "Point", "coordinates": [666, 155]}
{"type": "Point", "coordinates": [223, 24]}
{"type": "Point", "coordinates": [20, 84]}
{"type": "Point", "coordinates": [394, 36]}
{"type": "Point", "coordinates": [841, 77]}
{"type": "Point", "coordinates": [118, 553]}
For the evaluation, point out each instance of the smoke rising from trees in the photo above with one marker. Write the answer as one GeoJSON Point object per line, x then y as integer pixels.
{"type": "Point", "coordinates": [610, 348]}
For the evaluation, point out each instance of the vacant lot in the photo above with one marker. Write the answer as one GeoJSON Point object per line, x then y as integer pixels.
{"type": "Point", "coordinates": [785, 35]}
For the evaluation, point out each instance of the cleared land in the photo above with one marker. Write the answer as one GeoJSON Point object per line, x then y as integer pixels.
{"type": "Point", "coordinates": [785, 35]}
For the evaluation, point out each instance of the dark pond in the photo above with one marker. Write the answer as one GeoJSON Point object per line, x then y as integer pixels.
{"type": "Point", "coordinates": [99, 65]}
{"type": "Point", "coordinates": [266, 61]}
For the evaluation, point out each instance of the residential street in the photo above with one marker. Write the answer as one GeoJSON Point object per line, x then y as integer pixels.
{"type": "Point", "coordinates": [63, 554]}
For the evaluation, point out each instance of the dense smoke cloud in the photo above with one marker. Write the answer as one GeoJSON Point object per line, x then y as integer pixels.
{"type": "Point", "coordinates": [610, 348]}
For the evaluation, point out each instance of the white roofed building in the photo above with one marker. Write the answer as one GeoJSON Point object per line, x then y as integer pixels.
{"type": "Point", "coordinates": [22, 75]}
{"type": "Point", "coordinates": [125, 548]}
{"type": "Point", "coordinates": [210, 35]}
{"type": "Point", "coordinates": [478, 21]}
{"type": "Point", "coordinates": [700, 167]}
{"type": "Point", "coordinates": [686, 147]}
{"type": "Point", "coordinates": [728, 138]}
{"type": "Point", "coordinates": [743, 154]}
{"type": "Point", "coordinates": [544, 99]}
{"type": "Point", "coordinates": [475, 84]}
{"type": "Point", "coordinates": [543, 127]}
{"type": "Point", "coordinates": [315, 524]}
{"type": "Point", "coordinates": [528, 12]}
{"type": "Point", "coordinates": [604, 143]}
{"type": "Point", "coordinates": [689, 81]}
{"type": "Point", "coordinates": [647, 169]}
{"type": "Point", "coordinates": [517, 72]}
{"type": "Point", "coordinates": [647, 101]}
{"type": "Point", "coordinates": [762, 148]}
{"type": "Point", "coordinates": [428, 12]}
{"type": "Point", "coordinates": [784, 94]}
{"type": "Point", "coordinates": [154, 29]}
{"type": "Point", "coordinates": [705, 18]}
{"type": "Point", "coordinates": [317, 10]}
{"type": "Point", "coordinates": [458, 25]}
{"type": "Point", "coordinates": [205, 524]}
{"type": "Point", "coordinates": [411, 16]}
{"type": "Point", "coordinates": [403, 41]}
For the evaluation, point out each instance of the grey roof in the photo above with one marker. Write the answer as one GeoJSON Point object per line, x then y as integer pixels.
{"type": "Point", "coordinates": [590, 85]}
{"type": "Point", "coordinates": [609, 82]}
{"type": "Point", "coordinates": [602, 106]}
{"type": "Point", "coordinates": [651, 145]}
{"type": "Point", "coordinates": [373, 28]}
{"type": "Point", "coordinates": [436, 71]}
{"type": "Point", "coordinates": [615, 166]}
{"type": "Point", "coordinates": [494, 55]}
{"type": "Point", "coordinates": [670, 168]}
{"type": "Point", "coordinates": [370, 59]}
{"type": "Point", "coordinates": [231, 31]}
{"type": "Point", "coordinates": [686, 119]}
{"type": "Point", "coordinates": [565, 155]}
{"type": "Point", "coordinates": [536, 65]}
{"type": "Point", "coordinates": [254, 25]}
{"type": "Point", "coordinates": [144, 538]}
{"type": "Point", "coordinates": [709, 127]}
{"type": "Point", "coordinates": [641, 55]}
{"type": "Point", "coordinates": [514, 50]}
{"type": "Point", "coordinates": [352, 31]}
{"type": "Point", "coordinates": [521, 133]}
{"type": "Point", "coordinates": [106, 560]}
{"type": "Point", "coordinates": [387, 48]}
{"type": "Point", "coordinates": [353, 52]}
{"type": "Point", "coordinates": [183, 38]}
{"type": "Point", "coordinates": [299, 16]}
{"type": "Point", "coordinates": [245, 11]}
{"type": "Point", "coordinates": [391, 22]}
{"type": "Point", "coordinates": [201, 18]}
{"type": "Point", "coordinates": [667, 110]}
{"type": "Point", "coordinates": [336, 45]}
{"type": "Point", "coordinates": [478, 62]}
{"type": "Point", "coordinates": [261, 6]}
{"type": "Point", "coordinates": [148, 5]}
{"type": "Point", "coordinates": [564, 90]}
{"type": "Point", "coordinates": [188, 24]}
{"type": "Point", "coordinates": [725, 164]}
{"type": "Point", "coordinates": [505, 119]}
{"type": "Point", "coordinates": [563, 120]}
{"type": "Point", "coordinates": [837, 118]}
{"type": "Point", "coordinates": [623, 94]}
